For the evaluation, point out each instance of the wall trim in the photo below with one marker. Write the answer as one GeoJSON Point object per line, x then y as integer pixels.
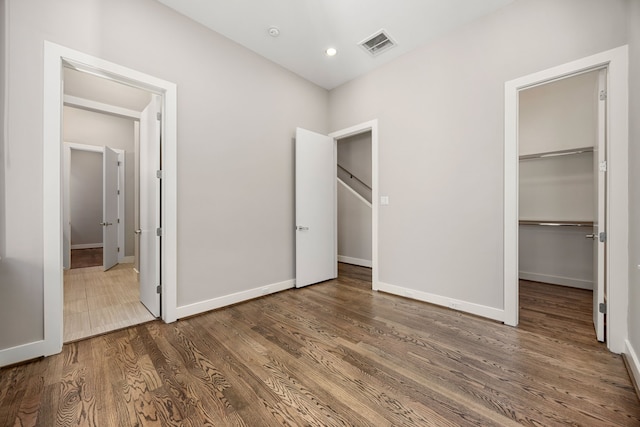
{"type": "Point", "coordinates": [355, 261]}
{"type": "Point", "coordinates": [633, 365]}
{"type": "Point", "coordinates": [129, 259]}
{"type": "Point", "coordinates": [226, 300]}
{"type": "Point", "coordinates": [354, 192]}
{"type": "Point", "coordinates": [455, 304]}
{"type": "Point", "coordinates": [557, 280]}
{"type": "Point", "coordinates": [87, 246]}
{"type": "Point", "coordinates": [20, 353]}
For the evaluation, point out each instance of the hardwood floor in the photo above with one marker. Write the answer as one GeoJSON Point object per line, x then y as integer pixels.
{"type": "Point", "coordinates": [97, 301]}
{"type": "Point", "coordinates": [334, 354]}
{"type": "Point", "coordinates": [81, 258]}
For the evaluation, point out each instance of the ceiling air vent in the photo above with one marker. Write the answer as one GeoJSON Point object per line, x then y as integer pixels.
{"type": "Point", "coordinates": [377, 43]}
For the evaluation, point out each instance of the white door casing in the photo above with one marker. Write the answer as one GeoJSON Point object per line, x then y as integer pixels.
{"type": "Point", "coordinates": [149, 206]}
{"type": "Point", "coordinates": [600, 218]}
{"type": "Point", "coordinates": [109, 208]}
{"type": "Point", "coordinates": [616, 184]}
{"type": "Point", "coordinates": [315, 201]}
{"type": "Point", "coordinates": [55, 58]}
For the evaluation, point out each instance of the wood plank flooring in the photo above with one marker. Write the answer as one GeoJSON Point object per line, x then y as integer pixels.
{"type": "Point", "coordinates": [82, 258]}
{"type": "Point", "coordinates": [98, 301]}
{"type": "Point", "coordinates": [334, 354]}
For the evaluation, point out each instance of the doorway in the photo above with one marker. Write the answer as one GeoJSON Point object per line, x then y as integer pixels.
{"type": "Point", "coordinates": [100, 200]}
{"type": "Point", "coordinates": [560, 138]}
{"type": "Point", "coordinates": [616, 274]}
{"type": "Point", "coordinates": [316, 203]}
{"type": "Point", "coordinates": [57, 57]}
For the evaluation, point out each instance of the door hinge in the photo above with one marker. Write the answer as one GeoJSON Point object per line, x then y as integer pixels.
{"type": "Point", "coordinates": [118, 250]}
{"type": "Point", "coordinates": [603, 166]}
{"type": "Point", "coordinates": [603, 95]}
{"type": "Point", "coordinates": [158, 289]}
{"type": "Point", "coordinates": [159, 116]}
{"type": "Point", "coordinates": [118, 192]}
{"type": "Point", "coordinates": [159, 231]}
{"type": "Point", "coordinates": [159, 174]}
{"type": "Point", "coordinates": [602, 307]}
{"type": "Point", "coordinates": [118, 220]}
{"type": "Point", "coordinates": [119, 163]}
{"type": "Point", "coordinates": [603, 236]}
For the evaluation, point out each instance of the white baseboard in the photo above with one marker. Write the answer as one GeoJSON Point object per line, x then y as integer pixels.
{"type": "Point", "coordinates": [127, 259]}
{"type": "Point", "coordinates": [87, 246]}
{"type": "Point", "coordinates": [214, 303]}
{"type": "Point", "coordinates": [23, 352]}
{"type": "Point", "coordinates": [355, 261]}
{"type": "Point", "coordinates": [467, 307]}
{"type": "Point", "coordinates": [632, 361]}
{"type": "Point", "coordinates": [556, 280]}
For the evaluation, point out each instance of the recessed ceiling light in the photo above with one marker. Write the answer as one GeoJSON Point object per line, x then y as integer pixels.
{"type": "Point", "coordinates": [331, 51]}
{"type": "Point", "coordinates": [274, 31]}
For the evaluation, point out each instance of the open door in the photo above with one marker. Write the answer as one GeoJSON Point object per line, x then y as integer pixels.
{"type": "Point", "coordinates": [316, 258]}
{"type": "Point", "coordinates": [599, 222]}
{"type": "Point", "coordinates": [109, 208]}
{"type": "Point", "coordinates": [150, 206]}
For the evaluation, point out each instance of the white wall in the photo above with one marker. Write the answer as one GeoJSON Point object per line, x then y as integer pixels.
{"type": "Point", "coordinates": [634, 181]}
{"type": "Point", "coordinates": [91, 128]}
{"type": "Point", "coordinates": [558, 116]}
{"type": "Point", "coordinates": [85, 188]}
{"type": "Point", "coordinates": [557, 188]}
{"type": "Point", "coordinates": [440, 110]}
{"type": "Point", "coordinates": [354, 155]}
{"type": "Point", "coordinates": [354, 227]}
{"type": "Point", "coordinates": [557, 255]}
{"type": "Point", "coordinates": [3, 95]}
{"type": "Point", "coordinates": [237, 117]}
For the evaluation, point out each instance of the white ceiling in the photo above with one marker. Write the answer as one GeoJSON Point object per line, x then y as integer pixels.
{"type": "Point", "coordinates": [309, 27]}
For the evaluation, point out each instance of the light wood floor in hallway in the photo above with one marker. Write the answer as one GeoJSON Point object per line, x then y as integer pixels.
{"type": "Point", "coordinates": [97, 301]}
{"type": "Point", "coordinates": [334, 354]}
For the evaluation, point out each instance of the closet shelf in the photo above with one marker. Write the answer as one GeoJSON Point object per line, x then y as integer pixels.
{"type": "Point", "coordinates": [558, 153]}
{"type": "Point", "coordinates": [558, 223]}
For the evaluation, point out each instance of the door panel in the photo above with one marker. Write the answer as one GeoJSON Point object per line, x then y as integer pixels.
{"type": "Point", "coordinates": [109, 208]}
{"type": "Point", "coordinates": [315, 172]}
{"type": "Point", "coordinates": [599, 223]}
{"type": "Point", "coordinates": [150, 206]}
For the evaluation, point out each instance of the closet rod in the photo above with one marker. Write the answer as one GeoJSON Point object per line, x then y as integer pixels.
{"type": "Point", "coordinates": [558, 223]}
{"type": "Point", "coordinates": [556, 153]}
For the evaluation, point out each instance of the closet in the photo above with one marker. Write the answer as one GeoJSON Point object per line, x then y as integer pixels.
{"type": "Point", "coordinates": [557, 192]}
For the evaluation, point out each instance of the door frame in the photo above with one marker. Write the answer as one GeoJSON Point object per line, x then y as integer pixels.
{"type": "Point", "coordinates": [617, 257]}
{"type": "Point", "coordinates": [370, 126]}
{"type": "Point", "coordinates": [55, 58]}
{"type": "Point", "coordinates": [68, 146]}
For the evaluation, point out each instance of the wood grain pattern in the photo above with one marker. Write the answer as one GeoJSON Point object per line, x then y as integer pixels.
{"type": "Point", "coordinates": [97, 301]}
{"type": "Point", "coordinates": [335, 354]}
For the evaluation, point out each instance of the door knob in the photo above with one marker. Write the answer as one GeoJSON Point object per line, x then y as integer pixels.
{"type": "Point", "coordinates": [590, 236]}
{"type": "Point", "coordinates": [301, 228]}
{"type": "Point", "coordinates": [138, 231]}
{"type": "Point", "coordinates": [104, 224]}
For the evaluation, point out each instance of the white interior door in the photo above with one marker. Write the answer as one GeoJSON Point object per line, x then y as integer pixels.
{"type": "Point", "coordinates": [109, 208]}
{"type": "Point", "coordinates": [599, 223]}
{"type": "Point", "coordinates": [150, 206]}
{"type": "Point", "coordinates": [316, 258]}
